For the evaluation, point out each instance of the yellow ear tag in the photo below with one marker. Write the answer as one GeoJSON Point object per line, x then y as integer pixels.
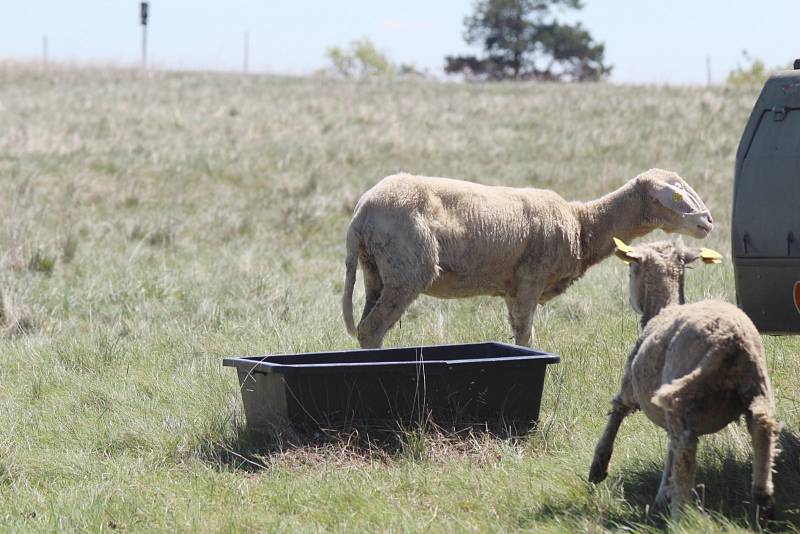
{"type": "Point", "coordinates": [622, 250]}
{"type": "Point", "coordinates": [620, 244]}
{"type": "Point", "coordinates": [710, 256]}
{"type": "Point", "coordinates": [677, 198]}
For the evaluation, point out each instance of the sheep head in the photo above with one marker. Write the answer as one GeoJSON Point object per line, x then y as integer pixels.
{"type": "Point", "coordinates": [672, 205]}
{"type": "Point", "coordinates": [657, 271]}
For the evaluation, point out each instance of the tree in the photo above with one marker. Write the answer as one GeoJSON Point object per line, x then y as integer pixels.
{"type": "Point", "coordinates": [755, 73]}
{"type": "Point", "coordinates": [361, 59]}
{"type": "Point", "coordinates": [522, 40]}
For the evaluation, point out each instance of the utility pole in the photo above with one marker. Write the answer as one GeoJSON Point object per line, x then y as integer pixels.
{"type": "Point", "coordinates": [246, 58]}
{"type": "Point", "coordinates": [708, 70]}
{"type": "Point", "coordinates": [44, 50]}
{"type": "Point", "coordinates": [143, 17]}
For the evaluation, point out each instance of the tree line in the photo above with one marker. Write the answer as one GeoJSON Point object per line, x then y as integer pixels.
{"type": "Point", "coordinates": [521, 40]}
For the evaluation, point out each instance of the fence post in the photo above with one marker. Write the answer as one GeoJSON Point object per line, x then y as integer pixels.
{"type": "Point", "coordinates": [143, 13]}
{"type": "Point", "coordinates": [246, 59]}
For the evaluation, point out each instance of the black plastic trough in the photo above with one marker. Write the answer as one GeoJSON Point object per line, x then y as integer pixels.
{"type": "Point", "coordinates": [495, 385]}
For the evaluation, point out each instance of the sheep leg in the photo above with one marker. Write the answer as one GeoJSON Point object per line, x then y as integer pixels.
{"type": "Point", "coordinates": [605, 447]}
{"type": "Point", "coordinates": [373, 285]}
{"type": "Point", "coordinates": [662, 497]}
{"type": "Point", "coordinates": [403, 266]}
{"type": "Point", "coordinates": [684, 450]}
{"type": "Point", "coordinates": [384, 314]}
{"type": "Point", "coordinates": [764, 433]}
{"type": "Point", "coordinates": [521, 308]}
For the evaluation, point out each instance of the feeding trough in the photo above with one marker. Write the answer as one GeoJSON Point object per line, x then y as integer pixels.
{"type": "Point", "coordinates": [765, 230]}
{"type": "Point", "coordinates": [493, 385]}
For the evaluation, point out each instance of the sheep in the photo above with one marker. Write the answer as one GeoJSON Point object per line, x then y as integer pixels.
{"type": "Point", "coordinates": [694, 369]}
{"type": "Point", "coordinates": [452, 239]}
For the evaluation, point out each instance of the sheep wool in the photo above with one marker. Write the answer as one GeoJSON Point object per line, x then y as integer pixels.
{"type": "Point", "coordinates": [452, 239]}
{"type": "Point", "coordinates": [694, 369]}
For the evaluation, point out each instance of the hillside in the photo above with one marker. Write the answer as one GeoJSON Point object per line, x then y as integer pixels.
{"type": "Point", "coordinates": [152, 224]}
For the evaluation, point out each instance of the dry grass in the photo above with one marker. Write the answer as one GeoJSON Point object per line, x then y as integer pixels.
{"type": "Point", "coordinates": [152, 224]}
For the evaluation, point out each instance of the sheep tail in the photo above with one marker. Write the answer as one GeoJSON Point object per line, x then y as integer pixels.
{"type": "Point", "coordinates": [670, 395]}
{"type": "Point", "coordinates": [351, 262]}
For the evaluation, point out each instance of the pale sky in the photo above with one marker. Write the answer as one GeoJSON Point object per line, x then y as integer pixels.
{"type": "Point", "coordinates": [647, 41]}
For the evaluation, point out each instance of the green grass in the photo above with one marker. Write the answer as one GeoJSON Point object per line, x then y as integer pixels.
{"type": "Point", "coordinates": [152, 224]}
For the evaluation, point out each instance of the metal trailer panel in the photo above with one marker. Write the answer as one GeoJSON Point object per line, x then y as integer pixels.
{"type": "Point", "coordinates": [765, 232]}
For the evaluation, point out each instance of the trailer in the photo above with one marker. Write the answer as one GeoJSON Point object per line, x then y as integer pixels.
{"type": "Point", "coordinates": [765, 230]}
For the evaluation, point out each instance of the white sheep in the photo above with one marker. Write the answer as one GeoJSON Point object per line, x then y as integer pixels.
{"type": "Point", "coordinates": [694, 369]}
{"type": "Point", "coordinates": [451, 239]}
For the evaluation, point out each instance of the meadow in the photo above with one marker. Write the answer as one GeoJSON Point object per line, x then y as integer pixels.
{"type": "Point", "coordinates": [153, 223]}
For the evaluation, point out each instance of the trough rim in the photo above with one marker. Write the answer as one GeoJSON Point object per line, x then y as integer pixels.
{"type": "Point", "coordinates": [257, 363]}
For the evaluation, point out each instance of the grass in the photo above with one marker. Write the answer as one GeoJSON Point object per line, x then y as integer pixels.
{"type": "Point", "coordinates": [152, 224]}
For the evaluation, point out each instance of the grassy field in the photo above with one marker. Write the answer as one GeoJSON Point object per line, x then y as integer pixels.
{"type": "Point", "coordinates": [152, 224]}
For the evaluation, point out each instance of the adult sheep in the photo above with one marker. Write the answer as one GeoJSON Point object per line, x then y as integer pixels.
{"type": "Point", "coordinates": [694, 369]}
{"type": "Point", "coordinates": [451, 239]}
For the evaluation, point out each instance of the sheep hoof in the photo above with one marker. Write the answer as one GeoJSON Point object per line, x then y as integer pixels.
{"type": "Point", "coordinates": [765, 505]}
{"type": "Point", "coordinates": [662, 499]}
{"type": "Point", "coordinates": [598, 472]}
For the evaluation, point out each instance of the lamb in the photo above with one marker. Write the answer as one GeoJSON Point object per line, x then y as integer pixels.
{"type": "Point", "coordinates": [452, 239]}
{"type": "Point", "coordinates": [694, 369]}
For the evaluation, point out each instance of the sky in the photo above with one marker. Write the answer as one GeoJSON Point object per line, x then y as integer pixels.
{"type": "Point", "coordinates": [647, 41]}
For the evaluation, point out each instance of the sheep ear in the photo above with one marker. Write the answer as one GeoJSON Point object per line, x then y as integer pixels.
{"type": "Point", "coordinates": [710, 256]}
{"type": "Point", "coordinates": [705, 254]}
{"type": "Point", "coordinates": [678, 199]}
{"type": "Point", "coordinates": [625, 252]}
